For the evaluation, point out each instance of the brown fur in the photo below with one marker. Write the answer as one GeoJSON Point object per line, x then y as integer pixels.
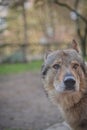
{"type": "Point", "coordinates": [73, 104]}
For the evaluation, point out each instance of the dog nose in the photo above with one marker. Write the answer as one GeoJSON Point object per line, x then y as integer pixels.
{"type": "Point", "coordinates": [69, 82]}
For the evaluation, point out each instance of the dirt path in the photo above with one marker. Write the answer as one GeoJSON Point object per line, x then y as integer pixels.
{"type": "Point", "coordinates": [23, 103]}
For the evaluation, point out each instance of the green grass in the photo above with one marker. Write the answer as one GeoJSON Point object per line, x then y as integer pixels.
{"type": "Point", "coordinates": [20, 67]}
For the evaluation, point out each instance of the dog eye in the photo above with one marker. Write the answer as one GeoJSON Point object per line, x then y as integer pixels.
{"type": "Point", "coordinates": [56, 66]}
{"type": "Point", "coordinates": [75, 66]}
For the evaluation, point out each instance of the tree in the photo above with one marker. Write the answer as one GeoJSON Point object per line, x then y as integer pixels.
{"type": "Point", "coordinates": [47, 21]}
{"type": "Point", "coordinates": [16, 4]}
{"type": "Point", "coordinates": [80, 19]}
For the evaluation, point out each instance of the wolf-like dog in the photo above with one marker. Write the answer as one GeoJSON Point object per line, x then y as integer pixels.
{"type": "Point", "coordinates": [65, 81]}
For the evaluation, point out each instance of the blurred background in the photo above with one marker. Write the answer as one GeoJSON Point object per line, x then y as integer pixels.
{"type": "Point", "coordinates": [28, 28]}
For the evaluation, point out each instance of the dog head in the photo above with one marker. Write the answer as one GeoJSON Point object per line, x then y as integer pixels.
{"type": "Point", "coordinates": [64, 71]}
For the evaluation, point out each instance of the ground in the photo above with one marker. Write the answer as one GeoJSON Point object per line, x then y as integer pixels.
{"type": "Point", "coordinates": [23, 103]}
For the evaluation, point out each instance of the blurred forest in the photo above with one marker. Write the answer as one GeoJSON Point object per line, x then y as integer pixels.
{"type": "Point", "coordinates": [30, 27]}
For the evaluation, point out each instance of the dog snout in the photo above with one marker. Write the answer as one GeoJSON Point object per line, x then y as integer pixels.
{"type": "Point", "coordinates": [69, 82]}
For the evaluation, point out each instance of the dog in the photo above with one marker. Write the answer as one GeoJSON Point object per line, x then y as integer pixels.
{"type": "Point", "coordinates": [65, 81]}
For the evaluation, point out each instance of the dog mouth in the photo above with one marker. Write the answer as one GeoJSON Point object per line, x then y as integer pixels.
{"type": "Point", "coordinates": [70, 88]}
{"type": "Point", "coordinates": [61, 88]}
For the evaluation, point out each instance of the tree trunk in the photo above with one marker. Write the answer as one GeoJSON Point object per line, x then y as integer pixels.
{"type": "Point", "coordinates": [25, 41]}
{"type": "Point", "coordinates": [83, 46]}
{"type": "Point", "coordinates": [78, 30]}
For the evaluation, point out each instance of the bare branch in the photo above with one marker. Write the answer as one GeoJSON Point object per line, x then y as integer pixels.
{"type": "Point", "coordinates": [77, 20]}
{"type": "Point", "coordinates": [71, 9]}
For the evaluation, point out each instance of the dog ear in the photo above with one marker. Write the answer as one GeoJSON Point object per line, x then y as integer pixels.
{"type": "Point", "coordinates": [75, 46]}
{"type": "Point", "coordinates": [46, 54]}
